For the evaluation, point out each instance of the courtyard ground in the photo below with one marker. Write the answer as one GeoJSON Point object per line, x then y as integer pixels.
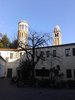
{"type": "Point", "coordinates": [11, 92]}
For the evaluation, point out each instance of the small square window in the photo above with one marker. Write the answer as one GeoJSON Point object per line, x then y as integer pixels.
{"type": "Point", "coordinates": [67, 52]}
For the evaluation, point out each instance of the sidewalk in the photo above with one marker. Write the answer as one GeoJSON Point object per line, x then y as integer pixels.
{"type": "Point", "coordinates": [11, 92]}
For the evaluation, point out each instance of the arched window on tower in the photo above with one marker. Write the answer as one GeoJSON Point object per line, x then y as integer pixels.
{"type": "Point", "coordinates": [57, 34]}
{"type": "Point", "coordinates": [22, 27]}
{"type": "Point", "coordinates": [25, 27]}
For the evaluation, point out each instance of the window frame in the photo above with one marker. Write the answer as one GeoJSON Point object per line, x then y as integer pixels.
{"type": "Point", "coordinates": [42, 55]}
{"type": "Point", "coordinates": [47, 53]}
{"type": "Point", "coordinates": [11, 55]}
{"type": "Point", "coordinates": [67, 52]}
{"type": "Point", "coordinates": [54, 53]}
{"type": "Point", "coordinates": [42, 72]}
{"type": "Point", "coordinates": [68, 73]}
{"type": "Point", "coordinates": [74, 73]}
{"type": "Point", "coordinates": [73, 51]}
{"type": "Point", "coordinates": [56, 34]}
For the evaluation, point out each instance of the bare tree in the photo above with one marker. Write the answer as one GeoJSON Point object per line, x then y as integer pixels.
{"type": "Point", "coordinates": [35, 40]}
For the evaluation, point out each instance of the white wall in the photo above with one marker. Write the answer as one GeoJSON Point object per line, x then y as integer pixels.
{"type": "Point", "coordinates": [65, 62]}
{"type": "Point", "coordinates": [11, 63]}
{"type": "Point", "coordinates": [2, 67]}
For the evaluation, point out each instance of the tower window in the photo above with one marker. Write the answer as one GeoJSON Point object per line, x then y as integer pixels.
{"type": "Point", "coordinates": [57, 34]}
{"type": "Point", "coordinates": [25, 27]}
{"type": "Point", "coordinates": [22, 27]}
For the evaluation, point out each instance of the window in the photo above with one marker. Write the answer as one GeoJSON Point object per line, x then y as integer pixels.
{"type": "Point", "coordinates": [25, 27]}
{"type": "Point", "coordinates": [9, 72]}
{"type": "Point", "coordinates": [20, 54]}
{"type": "Point", "coordinates": [47, 53]}
{"type": "Point", "coordinates": [74, 73]}
{"type": "Point", "coordinates": [67, 52]}
{"type": "Point", "coordinates": [7, 58]}
{"type": "Point", "coordinates": [68, 73]}
{"type": "Point", "coordinates": [42, 55]}
{"type": "Point", "coordinates": [0, 66]}
{"type": "Point", "coordinates": [42, 72]}
{"type": "Point", "coordinates": [11, 55]}
{"type": "Point", "coordinates": [54, 53]}
{"type": "Point", "coordinates": [73, 50]}
{"type": "Point", "coordinates": [22, 27]}
{"type": "Point", "coordinates": [57, 34]}
{"type": "Point", "coordinates": [36, 53]}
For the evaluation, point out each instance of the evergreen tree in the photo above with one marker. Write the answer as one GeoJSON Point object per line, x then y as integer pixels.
{"type": "Point", "coordinates": [5, 41]}
{"type": "Point", "coordinates": [14, 44]}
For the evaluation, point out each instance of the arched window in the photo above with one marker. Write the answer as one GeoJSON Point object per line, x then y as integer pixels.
{"type": "Point", "coordinates": [57, 34]}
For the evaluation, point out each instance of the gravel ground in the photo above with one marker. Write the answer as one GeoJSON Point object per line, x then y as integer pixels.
{"type": "Point", "coordinates": [11, 92]}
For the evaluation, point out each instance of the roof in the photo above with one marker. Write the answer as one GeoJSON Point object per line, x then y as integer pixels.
{"type": "Point", "coordinates": [8, 49]}
{"type": "Point", "coordinates": [2, 58]}
{"type": "Point", "coordinates": [23, 21]}
{"type": "Point", "coordinates": [62, 45]}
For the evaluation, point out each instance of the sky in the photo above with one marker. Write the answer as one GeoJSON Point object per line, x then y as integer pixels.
{"type": "Point", "coordinates": [41, 15]}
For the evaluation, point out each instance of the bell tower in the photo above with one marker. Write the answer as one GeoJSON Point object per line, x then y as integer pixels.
{"type": "Point", "coordinates": [23, 33]}
{"type": "Point", "coordinates": [57, 35]}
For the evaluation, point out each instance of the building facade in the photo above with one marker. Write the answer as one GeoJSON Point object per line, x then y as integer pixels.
{"type": "Point", "coordinates": [53, 56]}
{"type": "Point", "coordinates": [12, 58]}
{"type": "Point", "coordinates": [62, 55]}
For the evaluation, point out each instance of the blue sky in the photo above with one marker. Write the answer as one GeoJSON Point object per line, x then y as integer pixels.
{"type": "Point", "coordinates": [42, 16]}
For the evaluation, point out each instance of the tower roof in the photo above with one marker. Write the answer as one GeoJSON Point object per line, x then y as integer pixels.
{"type": "Point", "coordinates": [57, 28]}
{"type": "Point", "coordinates": [23, 21]}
